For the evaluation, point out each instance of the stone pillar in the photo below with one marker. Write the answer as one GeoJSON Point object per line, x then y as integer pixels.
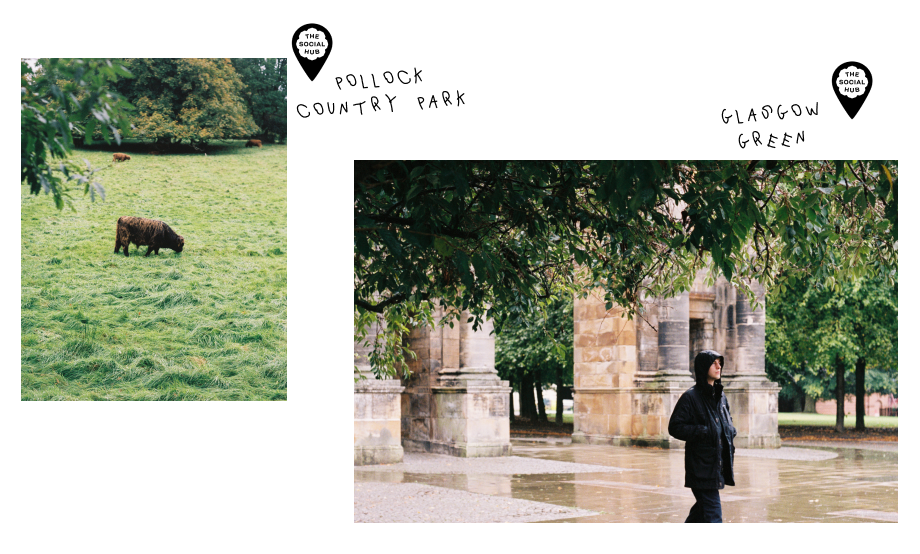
{"type": "Point", "coordinates": [455, 402]}
{"type": "Point", "coordinates": [673, 337]}
{"type": "Point", "coordinates": [656, 395]}
{"type": "Point", "coordinates": [753, 398]}
{"type": "Point", "coordinates": [605, 369]}
{"type": "Point", "coordinates": [750, 334]}
{"type": "Point", "coordinates": [377, 413]}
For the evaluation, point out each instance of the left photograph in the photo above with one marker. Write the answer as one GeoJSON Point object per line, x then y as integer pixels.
{"type": "Point", "coordinates": [153, 229]}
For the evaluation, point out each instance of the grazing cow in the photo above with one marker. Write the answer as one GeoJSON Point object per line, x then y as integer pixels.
{"type": "Point", "coordinates": [254, 142]}
{"type": "Point", "coordinates": [146, 232]}
{"type": "Point", "coordinates": [119, 157]}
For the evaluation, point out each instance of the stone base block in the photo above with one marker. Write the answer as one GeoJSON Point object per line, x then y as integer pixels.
{"type": "Point", "coordinates": [374, 455]}
{"type": "Point", "coordinates": [460, 450]}
{"type": "Point", "coordinates": [754, 404]}
{"type": "Point", "coordinates": [468, 420]}
{"type": "Point", "coordinates": [658, 441]}
{"type": "Point", "coordinates": [377, 422]}
{"type": "Point", "coordinates": [630, 417]}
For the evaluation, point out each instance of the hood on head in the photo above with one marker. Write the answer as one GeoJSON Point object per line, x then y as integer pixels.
{"type": "Point", "coordinates": [703, 361]}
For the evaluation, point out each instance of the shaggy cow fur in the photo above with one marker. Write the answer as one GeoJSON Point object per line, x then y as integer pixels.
{"type": "Point", "coordinates": [254, 142]}
{"type": "Point", "coordinates": [119, 157]}
{"type": "Point", "coordinates": [146, 232]}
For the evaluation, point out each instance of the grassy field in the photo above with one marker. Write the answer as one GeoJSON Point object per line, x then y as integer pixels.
{"type": "Point", "coordinates": [799, 419]}
{"type": "Point", "coordinates": [205, 324]}
{"type": "Point", "coordinates": [819, 420]}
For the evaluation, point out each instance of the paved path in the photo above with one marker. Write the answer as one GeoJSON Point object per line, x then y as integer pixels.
{"type": "Point", "coordinates": [558, 482]}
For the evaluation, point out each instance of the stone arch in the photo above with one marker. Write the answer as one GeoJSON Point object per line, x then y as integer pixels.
{"type": "Point", "coordinates": [630, 373]}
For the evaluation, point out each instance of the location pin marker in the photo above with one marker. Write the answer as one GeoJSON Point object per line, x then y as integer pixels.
{"type": "Point", "coordinates": [312, 44]}
{"type": "Point", "coordinates": [852, 83]}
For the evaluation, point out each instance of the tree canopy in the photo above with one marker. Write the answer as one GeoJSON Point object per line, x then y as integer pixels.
{"type": "Point", "coordinates": [813, 332]}
{"type": "Point", "coordinates": [265, 94]}
{"type": "Point", "coordinates": [495, 238]}
{"type": "Point", "coordinates": [61, 99]}
{"type": "Point", "coordinates": [193, 100]}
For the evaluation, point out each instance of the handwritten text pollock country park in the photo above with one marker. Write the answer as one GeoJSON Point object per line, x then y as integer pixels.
{"type": "Point", "coordinates": [375, 103]}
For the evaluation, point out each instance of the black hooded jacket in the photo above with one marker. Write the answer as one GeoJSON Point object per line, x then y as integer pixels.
{"type": "Point", "coordinates": [700, 413]}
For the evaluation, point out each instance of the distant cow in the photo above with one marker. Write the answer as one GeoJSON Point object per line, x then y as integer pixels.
{"type": "Point", "coordinates": [254, 142]}
{"type": "Point", "coordinates": [119, 157]}
{"type": "Point", "coordinates": [146, 232]}
{"type": "Point", "coordinates": [154, 152]}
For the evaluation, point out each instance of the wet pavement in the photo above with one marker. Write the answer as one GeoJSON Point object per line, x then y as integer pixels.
{"type": "Point", "coordinates": [555, 481]}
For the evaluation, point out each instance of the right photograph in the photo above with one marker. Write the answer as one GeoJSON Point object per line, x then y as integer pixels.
{"type": "Point", "coordinates": [626, 341]}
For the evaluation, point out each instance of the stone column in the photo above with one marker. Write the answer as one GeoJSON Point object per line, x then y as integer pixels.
{"type": "Point", "coordinates": [377, 412]}
{"type": "Point", "coordinates": [656, 395]}
{"type": "Point", "coordinates": [750, 335]}
{"type": "Point", "coordinates": [753, 398]}
{"type": "Point", "coordinates": [674, 338]}
{"type": "Point", "coordinates": [455, 403]}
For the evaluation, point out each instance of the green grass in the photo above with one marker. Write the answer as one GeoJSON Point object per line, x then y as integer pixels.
{"type": "Point", "coordinates": [819, 420]}
{"type": "Point", "coordinates": [808, 419]}
{"type": "Point", "coordinates": [209, 323]}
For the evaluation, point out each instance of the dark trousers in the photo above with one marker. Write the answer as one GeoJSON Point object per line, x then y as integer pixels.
{"type": "Point", "coordinates": [708, 507]}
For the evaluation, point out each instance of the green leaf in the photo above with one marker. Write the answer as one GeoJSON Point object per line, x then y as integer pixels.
{"type": "Point", "coordinates": [850, 194]}
{"type": "Point", "coordinates": [782, 213]}
{"type": "Point", "coordinates": [414, 190]}
{"type": "Point", "coordinates": [416, 171]}
{"type": "Point", "coordinates": [443, 247]}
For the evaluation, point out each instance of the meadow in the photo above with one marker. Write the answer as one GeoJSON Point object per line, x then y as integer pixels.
{"type": "Point", "coordinates": [209, 323]}
{"type": "Point", "coordinates": [823, 420]}
{"type": "Point", "coordinates": [799, 419]}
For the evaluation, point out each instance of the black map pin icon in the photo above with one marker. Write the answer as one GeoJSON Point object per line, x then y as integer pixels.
{"type": "Point", "coordinates": [852, 83]}
{"type": "Point", "coordinates": [312, 44]}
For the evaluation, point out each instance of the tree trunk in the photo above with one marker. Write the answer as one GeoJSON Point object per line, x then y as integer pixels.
{"type": "Point", "coordinates": [511, 402]}
{"type": "Point", "coordinates": [810, 405]}
{"type": "Point", "coordinates": [559, 400]}
{"type": "Point", "coordinates": [841, 393]}
{"type": "Point", "coordinates": [798, 405]}
{"type": "Point", "coordinates": [528, 407]}
{"type": "Point", "coordinates": [541, 406]}
{"type": "Point", "coordinates": [861, 394]}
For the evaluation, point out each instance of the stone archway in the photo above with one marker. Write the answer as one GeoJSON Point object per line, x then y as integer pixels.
{"type": "Point", "coordinates": [630, 373]}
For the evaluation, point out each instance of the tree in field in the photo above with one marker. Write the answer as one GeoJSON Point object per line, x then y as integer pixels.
{"type": "Point", "coordinates": [188, 100]}
{"type": "Point", "coordinates": [499, 238]}
{"type": "Point", "coordinates": [63, 100]}
{"type": "Point", "coordinates": [265, 94]}
{"type": "Point", "coordinates": [817, 336]}
{"type": "Point", "coordinates": [536, 350]}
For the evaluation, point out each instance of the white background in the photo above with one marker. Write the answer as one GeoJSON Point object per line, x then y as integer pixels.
{"type": "Point", "coordinates": [636, 80]}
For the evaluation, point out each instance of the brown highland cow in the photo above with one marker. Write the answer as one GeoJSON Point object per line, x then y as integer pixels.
{"type": "Point", "coordinates": [119, 157]}
{"type": "Point", "coordinates": [254, 142]}
{"type": "Point", "coordinates": [146, 232]}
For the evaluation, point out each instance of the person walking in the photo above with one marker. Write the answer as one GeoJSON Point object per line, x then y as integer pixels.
{"type": "Point", "coordinates": [702, 419]}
